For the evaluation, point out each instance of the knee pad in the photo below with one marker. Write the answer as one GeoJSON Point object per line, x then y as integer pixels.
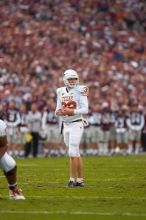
{"type": "Point", "coordinates": [73, 151]}
{"type": "Point", "coordinates": [7, 163]}
{"type": "Point", "coordinates": [2, 128]}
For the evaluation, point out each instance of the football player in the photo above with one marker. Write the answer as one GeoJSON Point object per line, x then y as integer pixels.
{"type": "Point", "coordinates": [94, 119]}
{"type": "Point", "coordinates": [72, 104]}
{"type": "Point", "coordinates": [8, 165]}
{"type": "Point", "coordinates": [122, 129]}
{"type": "Point", "coordinates": [135, 124]}
{"type": "Point", "coordinates": [53, 136]}
{"type": "Point", "coordinates": [12, 119]}
{"type": "Point", "coordinates": [34, 123]}
{"type": "Point", "coordinates": [104, 130]}
{"type": "Point", "coordinates": [23, 129]}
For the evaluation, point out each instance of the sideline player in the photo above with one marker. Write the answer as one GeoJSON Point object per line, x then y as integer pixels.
{"type": "Point", "coordinates": [72, 103]}
{"type": "Point", "coordinates": [135, 124]}
{"type": "Point", "coordinates": [8, 164]}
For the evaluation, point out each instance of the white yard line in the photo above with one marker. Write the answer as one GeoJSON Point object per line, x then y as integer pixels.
{"type": "Point", "coordinates": [95, 180]}
{"type": "Point", "coordinates": [64, 212]}
{"type": "Point", "coordinates": [106, 179]}
{"type": "Point", "coordinates": [88, 197]}
{"type": "Point", "coordinates": [89, 185]}
{"type": "Point", "coordinates": [121, 178]}
{"type": "Point", "coordinates": [82, 197]}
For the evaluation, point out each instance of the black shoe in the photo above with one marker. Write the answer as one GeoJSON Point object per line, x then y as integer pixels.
{"type": "Point", "coordinates": [71, 184]}
{"type": "Point", "coordinates": [80, 184]}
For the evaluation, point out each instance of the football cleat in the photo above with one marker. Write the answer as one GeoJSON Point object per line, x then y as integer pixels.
{"type": "Point", "coordinates": [71, 184]}
{"type": "Point", "coordinates": [80, 184]}
{"type": "Point", "coordinates": [16, 194]}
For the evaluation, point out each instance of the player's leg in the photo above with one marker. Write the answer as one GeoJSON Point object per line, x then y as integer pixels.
{"type": "Point", "coordinates": [73, 160]}
{"type": "Point", "coordinates": [73, 168]}
{"type": "Point", "coordinates": [80, 167]}
{"type": "Point", "coordinates": [9, 165]}
{"type": "Point", "coordinates": [46, 146]}
{"type": "Point", "coordinates": [80, 177]}
{"type": "Point", "coordinates": [35, 144]}
{"type": "Point", "coordinates": [137, 142]}
{"type": "Point", "coordinates": [131, 134]}
{"type": "Point", "coordinates": [100, 141]}
{"type": "Point", "coordinates": [125, 142]}
{"type": "Point", "coordinates": [112, 142]}
{"type": "Point", "coordinates": [76, 170]}
{"type": "Point", "coordinates": [118, 147]}
{"type": "Point", "coordinates": [76, 165]}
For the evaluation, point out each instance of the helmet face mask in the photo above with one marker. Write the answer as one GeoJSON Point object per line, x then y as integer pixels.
{"type": "Point", "coordinates": [70, 78]}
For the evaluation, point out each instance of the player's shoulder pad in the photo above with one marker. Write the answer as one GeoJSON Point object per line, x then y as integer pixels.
{"type": "Point", "coordinates": [59, 90]}
{"type": "Point", "coordinates": [84, 90]}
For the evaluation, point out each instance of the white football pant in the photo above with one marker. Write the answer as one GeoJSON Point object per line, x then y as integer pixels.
{"type": "Point", "coordinates": [72, 137]}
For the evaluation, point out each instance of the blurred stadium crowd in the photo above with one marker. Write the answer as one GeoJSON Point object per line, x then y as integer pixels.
{"type": "Point", "coordinates": [103, 40]}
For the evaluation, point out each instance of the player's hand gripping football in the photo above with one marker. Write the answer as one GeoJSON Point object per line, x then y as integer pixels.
{"type": "Point", "coordinates": [59, 111]}
{"type": "Point", "coordinates": [65, 112]}
{"type": "Point", "coordinates": [68, 112]}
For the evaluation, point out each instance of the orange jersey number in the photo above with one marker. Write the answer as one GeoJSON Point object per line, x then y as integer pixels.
{"type": "Point", "coordinates": [70, 104]}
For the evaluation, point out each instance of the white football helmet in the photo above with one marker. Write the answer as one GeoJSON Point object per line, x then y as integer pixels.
{"type": "Point", "coordinates": [70, 74]}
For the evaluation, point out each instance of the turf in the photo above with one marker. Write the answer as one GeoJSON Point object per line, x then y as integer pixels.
{"type": "Point", "coordinates": [115, 188]}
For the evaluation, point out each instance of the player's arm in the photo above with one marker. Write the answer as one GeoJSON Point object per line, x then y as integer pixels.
{"type": "Point", "coordinates": [67, 111]}
{"type": "Point", "coordinates": [59, 109]}
{"type": "Point", "coordinates": [84, 106]}
{"type": "Point", "coordinates": [59, 112]}
{"type": "Point", "coordinates": [84, 92]}
{"type": "Point", "coordinates": [141, 125]}
{"type": "Point", "coordinates": [70, 112]}
{"type": "Point", "coordinates": [44, 117]}
{"type": "Point", "coordinates": [129, 124]}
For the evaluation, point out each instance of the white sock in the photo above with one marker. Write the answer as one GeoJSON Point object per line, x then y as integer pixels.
{"type": "Point", "coordinates": [79, 180]}
{"type": "Point", "coordinates": [72, 179]}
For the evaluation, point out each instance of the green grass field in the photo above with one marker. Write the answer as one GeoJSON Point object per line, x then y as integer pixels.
{"type": "Point", "coordinates": [115, 188]}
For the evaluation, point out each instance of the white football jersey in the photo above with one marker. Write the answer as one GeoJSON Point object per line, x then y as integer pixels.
{"type": "Point", "coordinates": [75, 98]}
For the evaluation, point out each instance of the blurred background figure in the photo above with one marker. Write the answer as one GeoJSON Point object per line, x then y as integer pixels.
{"type": "Point", "coordinates": [94, 130]}
{"type": "Point", "coordinates": [50, 127]}
{"type": "Point", "coordinates": [122, 130]}
{"type": "Point", "coordinates": [12, 119]}
{"type": "Point", "coordinates": [135, 124]}
{"type": "Point", "coordinates": [34, 123]}
{"type": "Point", "coordinates": [22, 128]}
{"type": "Point", "coordinates": [104, 131]}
